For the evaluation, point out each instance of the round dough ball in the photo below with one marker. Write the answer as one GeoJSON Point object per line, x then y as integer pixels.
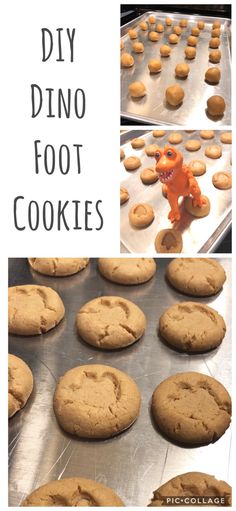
{"type": "Point", "coordinates": [122, 153]}
{"type": "Point", "coordinates": [197, 167]}
{"type": "Point", "coordinates": [137, 90]}
{"type": "Point", "coordinates": [137, 143]}
{"type": "Point", "coordinates": [143, 25]}
{"type": "Point", "coordinates": [195, 31]}
{"type": "Point", "coordinates": [160, 27]}
{"type": "Point", "coordinates": [201, 25]}
{"type": "Point", "coordinates": [177, 30]}
{"type": "Point", "coordinates": [213, 151]}
{"type": "Point", "coordinates": [190, 52]}
{"type": "Point", "coordinates": [207, 134]}
{"type": "Point", "coordinates": [126, 60]}
{"type": "Point", "coordinates": [182, 70]}
{"type": "Point", "coordinates": [174, 95]}
{"type": "Point", "coordinates": [132, 163]}
{"type": "Point", "coordinates": [189, 131]}
{"type": "Point", "coordinates": [153, 36]}
{"type": "Point", "coordinates": [215, 56]}
{"type": "Point", "coordinates": [151, 149]}
{"type": "Point", "coordinates": [165, 50]}
{"type": "Point", "coordinates": [214, 42]}
{"type": "Point", "coordinates": [216, 24]}
{"type": "Point", "coordinates": [124, 195]}
{"type": "Point", "coordinates": [226, 138]}
{"type": "Point", "coordinates": [197, 211]}
{"type": "Point", "coordinates": [152, 19]}
{"type": "Point", "coordinates": [183, 23]}
{"type": "Point", "coordinates": [193, 145]}
{"type": "Point", "coordinates": [192, 40]}
{"type": "Point", "coordinates": [175, 138]}
{"type": "Point", "coordinates": [149, 176]}
{"type": "Point", "coordinates": [168, 22]}
{"type": "Point", "coordinates": [173, 39]}
{"type": "Point", "coordinates": [213, 75]}
{"type": "Point", "coordinates": [132, 33]}
{"type": "Point", "coordinates": [138, 47]}
{"type": "Point", "coordinates": [154, 65]}
{"type": "Point", "coordinates": [122, 44]}
{"type": "Point", "coordinates": [141, 215]}
{"type": "Point", "coordinates": [216, 106]}
{"type": "Point", "coordinates": [215, 32]}
{"type": "Point", "coordinates": [169, 241]}
{"type": "Point", "coordinates": [158, 133]}
{"type": "Point", "coordinates": [222, 180]}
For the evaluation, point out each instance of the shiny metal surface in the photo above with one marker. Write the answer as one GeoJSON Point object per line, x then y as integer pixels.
{"type": "Point", "coordinates": [152, 108]}
{"type": "Point", "coordinates": [137, 461]}
{"type": "Point", "coordinates": [199, 234]}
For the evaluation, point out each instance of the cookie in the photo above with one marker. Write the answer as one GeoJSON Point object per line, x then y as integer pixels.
{"type": "Point", "coordinates": [192, 327]}
{"type": "Point", "coordinates": [175, 138]}
{"type": "Point", "coordinates": [169, 241]}
{"type": "Point", "coordinates": [149, 176]}
{"type": "Point", "coordinates": [127, 271]}
{"type": "Point", "coordinates": [207, 134]}
{"type": "Point", "coordinates": [193, 145]}
{"type": "Point", "coordinates": [96, 401]}
{"type": "Point", "coordinates": [196, 276]}
{"type": "Point", "coordinates": [73, 492]}
{"type": "Point", "coordinates": [124, 195]}
{"type": "Point", "coordinates": [58, 266]}
{"type": "Point", "coordinates": [110, 322]}
{"type": "Point", "coordinates": [141, 215]}
{"type": "Point", "coordinates": [137, 143]}
{"type": "Point", "coordinates": [213, 151]}
{"type": "Point", "coordinates": [191, 408]}
{"type": "Point", "coordinates": [20, 384]}
{"type": "Point", "coordinates": [226, 137]}
{"type": "Point", "coordinates": [197, 167]}
{"type": "Point", "coordinates": [158, 133]}
{"type": "Point", "coordinates": [132, 163]}
{"type": "Point", "coordinates": [191, 484]}
{"type": "Point", "coordinates": [151, 149]}
{"type": "Point", "coordinates": [197, 211]}
{"type": "Point", "coordinates": [33, 309]}
{"type": "Point", "coordinates": [222, 180]}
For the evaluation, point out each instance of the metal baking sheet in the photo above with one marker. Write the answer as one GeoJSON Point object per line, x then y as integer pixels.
{"type": "Point", "coordinates": [199, 234]}
{"type": "Point", "coordinates": [138, 460]}
{"type": "Point", "coordinates": [152, 108]}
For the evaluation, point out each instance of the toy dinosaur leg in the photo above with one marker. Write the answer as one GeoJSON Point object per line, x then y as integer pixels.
{"type": "Point", "coordinates": [198, 199]}
{"type": "Point", "coordinates": [174, 214]}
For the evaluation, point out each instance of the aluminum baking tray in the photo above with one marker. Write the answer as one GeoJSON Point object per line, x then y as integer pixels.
{"type": "Point", "coordinates": [199, 234]}
{"type": "Point", "coordinates": [139, 460]}
{"type": "Point", "coordinates": [153, 108]}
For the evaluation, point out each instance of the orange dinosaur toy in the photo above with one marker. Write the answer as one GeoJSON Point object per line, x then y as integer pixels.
{"type": "Point", "coordinates": [177, 179]}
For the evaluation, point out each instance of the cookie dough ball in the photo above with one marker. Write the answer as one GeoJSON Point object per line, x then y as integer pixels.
{"type": "Point", "coordinates": [193, 145]}
{"type": "Point", "coordinates": [216, 106]}
{"type": "Point", "coordinates": [214, 42]}
{"type": "Point", "coordinates": [153, 36]}
{"type": "Point", "coordinates": [137, 143]}
{"type": "Point", "coordinates": [226, 138]}
{"type": "Point", "coordinates": [215, 32]}
{"type": "Point", "coordinates": [132, 33]}
{"type": "Point", "coordinates": [132, 163]}
{"type": "Point", "coordinates": [151, 149]}
{"type": "Point", "coordinates": [192, 40]}
{"type": "Point", "coordinates": [213, 75]}
{"type": "Point", "coordinates": [174, 95]}
{"type": "Point", "coordinates": [190, 52]}
{"type": "Point", "coordinates": [182, 70]}
{"type": "Point", "coordinates": [137, 90]}
{"type": "Point", "coordinates": [152, 19]}
{"type": "Point", "coordinates": [168, 22]}
{"type": "Point", "coordinates": [138, 47]}
{"type": "Point", "coordinates": [195, 31]}
{"type": "Point", "coordinates": [122, 44]}
{"type": "Point", "coordinates": [169, 241]}
{"type": "Point", "coordinates": [141, 215]}
{"type": "Point", "coordinates": [124, 195]}
{"type": "Point", "coordinates": [126, 60]}
{"type": "Point", "coordinates": [149, 176]}
{"type": "Point", "coordinates": [183, 23]}
{"type": "Point", "coordinates": [201, 25]}
{"type": "Point", "coordinates": [160, 27]}
{"type": "Point", "coordinates": [213, 151]}
{"type": "Point", "coordinates": [207, 134]}
{"type": "Point", "coordinates": [216, 24]}
{"type": "Point", "coordinates": [222, 180]}
{"type": "Point", "coordinates": [158, 133]}
{"type": "Point", "coordinates": [175, 138]}
{"type": "Point", "coordinates": [165, 50]}
{"type": "Point", "coordinates": [197, 211]}
{"type": "Point", "coordinates": [196, 276]}
{"type": "Point", "coordinates": [173, 39]}
{"type": "Point", "coordinates": [122, 153]}
{"type": "Point", "coordinates": [143, 25]}
{"type": "Point", "coordinates": [20, 384]}
{"type": "Point", "coordinates": [215, 56]}
{"type": "Point", "coordinates": [154, 65]}
{"type": "Point", "coordinates": [127, 270]}
{"type": "Point", "coordinates": [197, 167]}
{"type": "Point", "coordinates": [177, 30]}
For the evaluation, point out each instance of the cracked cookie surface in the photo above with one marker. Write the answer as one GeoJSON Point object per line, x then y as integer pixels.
{"type": "Point", "coordinates": [96, 401]}
{"type": "Point", "coordinates": [127, 271]}
{"type": "Point", "coordinates": [192, 327]}
{"type": "Point", "coordinates": [33, 309]}
{"type": "Point", "coordinates": [58, 266]}
{"type": "Point", "coordinates": [20, 384]}
{"type": "Point", "coordinates": [73, 492]}
{"type": "Point", "coordinates": [196, 276]}
{"type": "Point", "coordinates": [191, 484]}
{"type": "Point", "coordinates": [192, 408]}
{"type": "Point", "coordinates": [110, 322]}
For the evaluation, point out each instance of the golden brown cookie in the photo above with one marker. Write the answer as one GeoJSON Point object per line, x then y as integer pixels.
{"type": "Point", "coordinates": [137, 143]}
{"type": "Point", "coordinates": [96, 401]}
{"type": "Point", "coordinates": [153, 36]}
{"type": "Point", "coordinates": [212, 75]}
{"type": "Point", "coordinates": [197, 211]}
{"type": "Point", "coordinates": [174, 95]}
{"type": "Point", "coordinates": [215, 56]}
{"type": "Point", "coordinates": [175, 138]}
{"type": "Point", "coordinates": [58, 266]}
{"type": "Point", "coordinates": [182, 70]}
{"type": "Point", "coordinates": [173, 39]}
{"type": "Point", "coordinates": [169, 241]}
{"type": "Point", "coordinates": [213, 151]}
{"type": "Point", "coordinates": [73, 492]}
{"type": "Point", "coordinates": [33, 310]}
{"type": "Point", "coordinates": [149, 176]}
{"type": "Point", "coordinates": [192, 408]}
{"type": "Point", "coordinates": [226, 137]}
{"type": "Point", "coordinates": [222, 180]}
{"type": "Point", "coordinates": [190, 52]}
{"type": "Point", "coordinates": [151, 149]}
{"type": "Point", "coordinates": [158, 133]}
{"type": "Point", "coordinates": [141, 215]}
{"type": "Point", "coordinates": [20, 384]}
{"type": "Point", "coordinates": [132, 163]}
{"type": "Point", "coordinates": [110, 322]}
{"type": "Point", "coordinates": [138, 47]}
{"type": "Point", "coordinates": [124, 195]}
{"type": "Point", "coordinates": [165, 50]}
{"type": "Point", "coordinates": [126, 60]}
{"type": "Point", "coordinates": [196, 276]}
{"type": "Point", "coordinates": [127, 271]}
{"type": "Point", "coordinates": [193, 145]}
{"type": "Point", "coordinates": [154, 65]}
{"type": "Point", "coordinates": [207, 134]}
{"type": "Point", "coordinates": [137, 89]}
{"type": "Point", "coordinates": [197, 167]}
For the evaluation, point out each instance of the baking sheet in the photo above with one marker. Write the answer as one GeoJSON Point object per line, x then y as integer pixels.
{"type": "Point", "coordinates": [153, 108]}
{"type": "Point", "coordinates": [199, 234]}
{"type": "Point", "coordinates": [139, 460]}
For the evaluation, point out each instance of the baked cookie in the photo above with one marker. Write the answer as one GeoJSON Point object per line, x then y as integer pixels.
{"type": "Point", "coordinates": [222, 180]}
{"type": "Point", "coordinates": [174, 95]}
{"type": "Point", "coordinates": [191, 408]}
{"type": "Point", "coordinates": [226, 137]}
{"type": "Point", "coordinates": [169, 241]}
{"type": "Point", "coordinates": [20, 384]}
{"type": "Point", "coordinates": [141, 215]}
{"type": "Point", "coordinates": [192, 327]}
{"type": "Point", "coordinates": [216, 106]}
{"type": "Point", "coordinates": [175, 138]}
{"type": "Point", "coordinates": [213, 151]}
{"type": "Point", "coordinates": [124, 195]}
{"type": "Point", "coordinates": [58, 266]}
{"type": "Point", "coordinates": [96, 401]}
{"type": "Point", "coordinates": [137, 89]}
{"type": "Point", "coordinates": [132, 163]}
{"type": "Point", "coordinates": [193, 145]}
{"type": "Point", "coordinates": [110, 322]}
{"type": "Point", "coordinates": [158, 133]}
{"type": "Point", "coordinates": [33, 309]}
{"type": "Point", "coordinates": [207, 134]}
{"type": "Point", "coordinates": [137, 143]}
{"type": "Point", "coordinates": [196, 276]}
{"type": "Point", "coordinates": [149, 176]}
{"type": "Point", "coordinates": [151, 149]}
{"type": "Point", "coordinates": [197, 211]}
{"type": "Point", "coordinates": [191, 484]}
{"type": "Point", "coordinates": [73, 492]}
{"type": "Point", "coordinates": [127, 270]}
{"type": "Point", "coordinates": [197, 167]}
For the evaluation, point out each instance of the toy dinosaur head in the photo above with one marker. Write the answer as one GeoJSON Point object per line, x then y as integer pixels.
{"type": "Point", "coordinates": [169, 163]}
